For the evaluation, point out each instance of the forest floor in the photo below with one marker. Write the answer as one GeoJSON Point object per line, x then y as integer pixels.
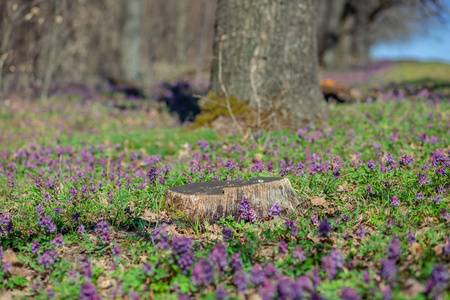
{"type": "Point", "coordinates": [82, 212]}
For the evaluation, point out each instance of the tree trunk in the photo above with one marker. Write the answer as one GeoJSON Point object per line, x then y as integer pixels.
{"type": "Point", "coordinates": [130, 60]}
{"type": "Point", "coordinates": [333, 16]}
{"type": "Point", "coordinates": [214, 200]}
{"type": "Point", "coordinates": [268, 52]}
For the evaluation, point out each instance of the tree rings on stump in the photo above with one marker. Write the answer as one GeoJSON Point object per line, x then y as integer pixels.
{"type": "Point", "coordinates": [214, 200]}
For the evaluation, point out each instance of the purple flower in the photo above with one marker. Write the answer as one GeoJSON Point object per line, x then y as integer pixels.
{"type": "Point", "coordinates": [35, 247]}
{"type": "Point", "coordinates": [81, 229]}
{"type": "Point", "coordinates": [285, 286]}
{"type": "Point", "coordinates": [437, 199]}
{"type": "Point", "coordinates": [152, 175]}
{"type": "Point", "coordinates": [423, 178]}
{"type": "Point", "coordinates": [181, 245]}
{"type": "Point", "coordinates": [58, 241]}
{"type": "Point", "coordinates": [420, 196]}
{"type": "Point", "coordinates": [362, 231]}
{"type": "Point", "coordinates": [324, 227]}
{"type": "Point", "coordinates": [329, 265]}
{"type": "Point", "coordinates": [161, 238]}
{"type": "Point", "coordinates": [394, 249]}
{"type": "Point", "coordinates": [102, 227]}
{"type": "Point", "coordinates": [89, 292]}
{"type": "Point", "coordinates": [202, 273]}
{"type": "Point", "coordinates": [219, 257]}
{"type": "Point", "coordinates": [47, 222]}
{"type": "Point", "coordinates": [240, 281]}
{"type": "Point", "coordinates": [204, 145]}
{"type": "Point", "coordinates": [227, 233]}
{"type": "Point", "coordinates": [221, 293]}
{"type": "Point", "coordinates": [236, 261]}
{"type": "Point", "coordinates": [73, 192]}
{"type": "Point", "coordinates": [411, 238]}
{"type": "Point", "coordinates": [48, 258]}
{"type": "Point", "coordinates": [292, 225]}
{"type": "Point", "coordinates": [244, 205]}
{"type": "Point", "coordinates": [366, 276]}
{"type": "Point", "coordinates": [7, 267]}
{"type": "Point", "coordinates": [389, 269]}
{"type": "Point", "coordinates": [252, 216]}
{"type": "Point", "coordinates": [315, 220]}
{"type": "Point", "coordinates": [257, 275]}
{"type": "Point", "coordinates": [275, 210]}
{"type": "Point", "coordinates": [148, 269]}
{"type": "Point", "coordinates": [337, 172]}
{"type": "Point", "coordinates": [299, 254]}
{"type": "Point", "coordinates": [440, 275]}
{"type": "Point", "coordinates": [116, 252]}
{"type": "Point", "coordinates": [387, 293]}
{"type": "Point", "coordinates": [283, 248]}
{"type": "Point", "coordinates": [395, 201]}
{"type": "Point", "coordinates": [271, 271]}
{"type": "Point", "coordinates": [349, 294]}
{"type": "Point", "coordinates": [369, 190]}
{"type": "Point", "coordinates": [371, 165]}
{"type": "Point", "coordinates": [258, 166]}
{"type": "Point", "coordinates": [5, 219]}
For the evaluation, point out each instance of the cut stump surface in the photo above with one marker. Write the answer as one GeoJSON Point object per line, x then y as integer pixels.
{"type": "Point", "coordinates": [214, 200]}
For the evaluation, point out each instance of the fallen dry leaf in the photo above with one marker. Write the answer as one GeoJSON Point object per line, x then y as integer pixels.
{"type": "Point", "coordinates": [319, 201]}
{"type": "Point", "coordinates": [413, 288]}
{"type": "Point", "coordinates": [11, 257]}
{"type": "Point", "coordinates": [439, 249]}
{"type": "Point", "coordinates": [416, 249]}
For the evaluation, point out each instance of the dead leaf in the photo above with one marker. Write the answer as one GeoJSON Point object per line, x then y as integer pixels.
{"type": "Point", "coordinates": [413, 288]}
{"type": "Point", "coordinates": [24, 272]}
{"type": "Point", "coordinates": [319, 201]}
{"type": "Point", "coordinates": [11, 257]}
{"type": "Point", "coordinates": [439, 249]}
{"type": "Point", "coordinates": [258, 156]}
{"type": "Point", "coordinates": [416, 249]}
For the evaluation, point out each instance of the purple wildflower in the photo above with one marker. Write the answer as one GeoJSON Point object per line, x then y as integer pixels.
{"type": "Point", "coordinates": [202, 273]}
{"type": "Point", "coordinates": [349, 294]}
{"type": "Point", "coordinates": [423, 178]}
{"type": "Point", "coordinates": [283, 247]}
{"type": "Point", "coordinates": [440, 275]}
{"type": "Point", "coordinates": [337, 172]}
{"type": "Point", "coordinates": [275, 210]}
{"type": "Point", "coordinates": [236, 261]}
{"type": "Point", "coordinates": [299, 254]}
{"type": "Point", "coordinates": [257, 275]}
{"type": "Point", "coordinates": [221, 293]}
{"type": "Point", "coordinates": [58, 241]}
{"type": "Point", "coordinates": [148, 269]}
{"type": "Point", "coordinates": [73, 192]}
{"type": "Point", "coordinates": [292, 225]}
{"type": "Point", "coordinates": [227, 233]}
{"type": "Point", "coordinates": [420, 196]}
{"type": "Point", "coordinates": [387, 293]}
{"type": "Point", "coordinates": [258, 166]}
{"type": "Point", "coordinates": [371, 165]}
{"type": "Point", "coordinates": [362, 231]}
{"type": "Point", "coordinates": [411, 238]}
{"type": "Point", "coordinates": [324, 227]}
{"type": "Point", "coordinates": [389, 269]}
{"type": "Point", "coordinates": [329, 265]}
{"type": "Point", "coordinates": [366, 276]}
{"type": "Point", "coordinates": [5, 219]}
{"type": "Point", "coordinates": [252, 216]}
{"type": "Point", "coordinates": [48, 258]}
{"type": "Point", "coordinates": [240, 281]}
{"type": "Point", "coordinates": [81, 229]}
{"type": "Point", "coordinates": [369, 190]}
{"type": "Point", "coordinates": [244, 205]}
{"type": "Point", "coordinates": [152, 175]}
{"type": "Point", "coordinates": [116, 252]}
{"type": "Point", "coordinates": [394, 250]}
{"type": "Point", "coordinates": [395, 201]}
{"type": "Point", "coordinates": [437, 199]}
{"type": "Point", "coordinates": [161, 238]}
{"type": "Point", "coordinates": [7, 267]}
{"type": "Point", "coordinates": [219, 256]}
{"type": "Point", "coordinates": [35, 247]}
{"type": "Point", "coordinates": [89, 292]}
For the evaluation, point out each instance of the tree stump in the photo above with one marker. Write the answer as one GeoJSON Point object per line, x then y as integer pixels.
{"type": "Point", "coordinates": [214, 200]}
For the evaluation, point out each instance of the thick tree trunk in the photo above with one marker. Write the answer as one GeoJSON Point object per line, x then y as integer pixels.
{"type": "Point", "coordinates": [214, 200]}
{"type": "Point", "coordinates": [130, 60]}
{"type": "Point", "coordinates": [268, 52]}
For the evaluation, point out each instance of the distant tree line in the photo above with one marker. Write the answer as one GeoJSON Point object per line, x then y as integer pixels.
{"type": "Point", "coordinates": [81, 41]}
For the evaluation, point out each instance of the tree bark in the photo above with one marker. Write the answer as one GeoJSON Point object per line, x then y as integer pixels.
{"type": "Point", "coordinates": [130, 60]}
{"type": "Point", "coordinates": [269, 57]}
{"type": "Point", "coordinates": [214, 200]}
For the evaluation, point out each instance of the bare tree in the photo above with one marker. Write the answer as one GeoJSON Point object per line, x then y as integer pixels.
{"type": "Point", "coordinates": [269, 58]}
{"type": "Point", "coordinates": [131, 40]}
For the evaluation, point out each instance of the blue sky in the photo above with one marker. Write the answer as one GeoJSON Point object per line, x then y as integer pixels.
{"type": "Point", "coordinates": [431, 45]}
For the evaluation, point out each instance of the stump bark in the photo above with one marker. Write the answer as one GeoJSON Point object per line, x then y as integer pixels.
{"type": "Point", "coordinates": [214, 200]}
